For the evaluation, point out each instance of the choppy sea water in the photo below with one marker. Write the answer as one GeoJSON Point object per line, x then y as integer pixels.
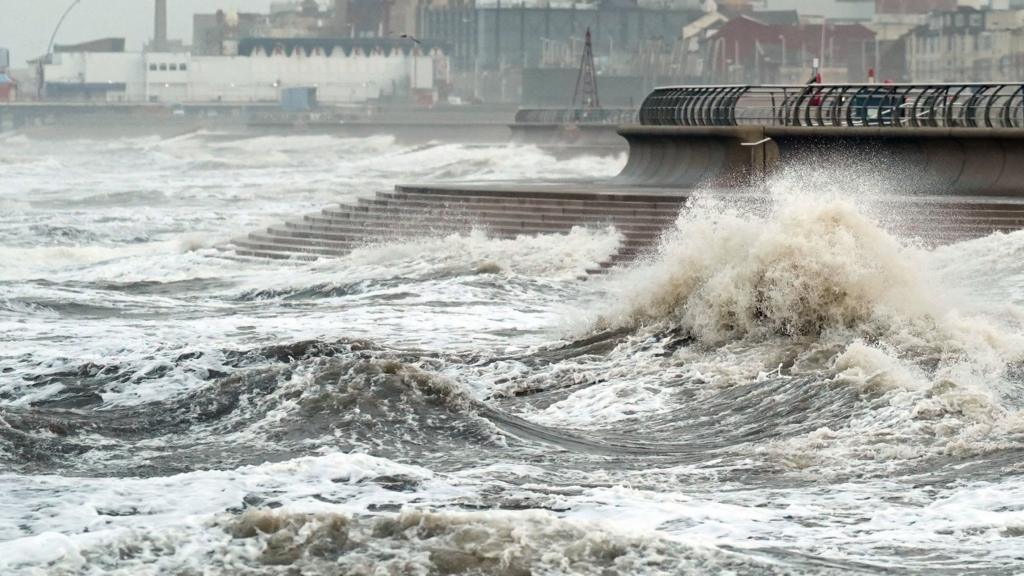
{"type": "Point", "coordinates": [783, 388]}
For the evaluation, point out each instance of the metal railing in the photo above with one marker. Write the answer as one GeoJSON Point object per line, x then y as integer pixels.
{"type": "Point", "coordinates": [577, 116]}
{"type": "Point", "coordinates": [846, 105]}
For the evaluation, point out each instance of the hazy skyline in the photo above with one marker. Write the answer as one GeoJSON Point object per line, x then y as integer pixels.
{"type": "Point", "coordinates": [26, 25]}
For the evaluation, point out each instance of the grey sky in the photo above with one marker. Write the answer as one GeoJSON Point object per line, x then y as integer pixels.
{"type": "Point", "coordinates": [26, 25]}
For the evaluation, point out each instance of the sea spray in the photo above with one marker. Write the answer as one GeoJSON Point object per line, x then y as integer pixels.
{"type": "Point", "coordinates": [804, 268]}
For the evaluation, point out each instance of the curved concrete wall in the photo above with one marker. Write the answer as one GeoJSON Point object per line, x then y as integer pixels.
{"type": "Point", "coordinates": [916, 160]}
{"type": "Point", "coordinates": [687, 157]}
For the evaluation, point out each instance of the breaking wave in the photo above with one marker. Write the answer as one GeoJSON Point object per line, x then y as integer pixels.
{"type": "Point", "coordinates": [803, 269]}
{"type": "Point", "coordinates": [813, 292]}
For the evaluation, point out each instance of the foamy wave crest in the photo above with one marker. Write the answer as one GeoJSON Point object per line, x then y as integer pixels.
{"type": "Point", "coordinates": [414, 541]}
{"type": "Point", "coordinates": [805, 268]}
{"type": "Point", "coordinates": [544, 254]}
{"type": "Point", "coordinates": [814, 289]}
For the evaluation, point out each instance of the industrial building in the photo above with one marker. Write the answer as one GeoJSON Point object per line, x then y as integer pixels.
{"type": "Point", "coordinates": [343, 70]}
{"type": "Point", "coordinates": [249, 59]}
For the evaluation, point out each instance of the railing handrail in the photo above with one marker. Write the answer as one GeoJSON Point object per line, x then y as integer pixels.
{"type": "Point", "coordinates": [839, 84]}
{"type": "Point", "coordinates": [943, 105]}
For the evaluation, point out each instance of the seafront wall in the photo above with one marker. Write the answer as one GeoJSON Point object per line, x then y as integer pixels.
{"type": "Point", "coordinates": [986, 161]}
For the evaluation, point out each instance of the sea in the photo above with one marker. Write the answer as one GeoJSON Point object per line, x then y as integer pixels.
{"type": "Point", "coordinates": [793, 385]}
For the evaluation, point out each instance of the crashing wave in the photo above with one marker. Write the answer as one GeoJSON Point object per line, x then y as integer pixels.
{"type": "Point", "coordinates": [806, 268]}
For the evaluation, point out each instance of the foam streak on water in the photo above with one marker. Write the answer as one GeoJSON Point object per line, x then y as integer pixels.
{"type": "Point", "coordinates": [783, 387]}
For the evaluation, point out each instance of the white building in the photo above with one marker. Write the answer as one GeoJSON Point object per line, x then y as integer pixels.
{"type": "Point", "coordinates": [343, 71]}
{"type": "Point", "coordinates": [968, 45]}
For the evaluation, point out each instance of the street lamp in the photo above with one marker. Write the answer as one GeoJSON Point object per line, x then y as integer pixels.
{"type": "Point", "coordinates": [48, 59]}
{"type": "Point", "coordinates": [49, 47]}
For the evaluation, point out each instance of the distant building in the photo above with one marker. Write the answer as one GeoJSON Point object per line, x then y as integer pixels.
{"type": "Point", "coordinates": [510, 34]}
{"type": "Point", "coordinates": [105, 45]}
{"type": "Point", "coordinates": [748, 50]}
{"type": "Point", "coordinates": [94, 70]}
{"type": "Point", "coordinates": [967, 45]}
{"type": "Point", "coordinates": [373, 18]}
{"type": "Point", "coordinates": [5, 59]}
{"type": "Point", "coordinates": [218, 34]}
{"type": "Point", "coordinates": [894, 18]}
{"type": "Point", "coordinates": [342, 70]}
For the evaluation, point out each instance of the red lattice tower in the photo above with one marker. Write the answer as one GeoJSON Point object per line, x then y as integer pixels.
{"type": "Point", "coordinates": [586, 81]}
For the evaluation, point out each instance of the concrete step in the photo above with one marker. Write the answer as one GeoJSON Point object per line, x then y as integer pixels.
{"type": "Point", "coordinates": [455, 212]}
{"type": "Point", "coordinates": [285, 251]}
{"type": "Point", "coordinates": [316, 232]}
{"type": "Point", "coordinates": [553, 199]}
{"type": "Point", "coordinates": [553, 208]}
{"type": "Point", "coordinates": [395, 222]}
{"type": "Point", "coordinates": [300, 243]}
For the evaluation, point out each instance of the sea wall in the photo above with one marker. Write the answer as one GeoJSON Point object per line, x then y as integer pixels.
{"type": "Point", "coordinates": [986, 161]}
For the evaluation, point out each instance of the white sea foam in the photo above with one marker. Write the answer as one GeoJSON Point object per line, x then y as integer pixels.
{"type": "Point", "coordinates": [792, 382]}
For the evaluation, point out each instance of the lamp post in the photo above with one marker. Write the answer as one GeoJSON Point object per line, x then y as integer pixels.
{"type": "Point", "coordinates": [48, 59]}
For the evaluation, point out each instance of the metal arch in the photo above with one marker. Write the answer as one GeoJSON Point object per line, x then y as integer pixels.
{"type": "Point", "coordinates": [988, 105]}
{"type": "Point", "coordinates": [683, 99]}
{"type": "Point", "coordinates": [705, 103]}
{"type": "Point", "coordinates": [690, 97]}
{"type": "Point", "coordinates": [914, 123]}
{"type": "Point", "coordinates": [973, 106]}
{"type": "Point", "coordinates": [821, 106]}
{"type": "Point", "coordinates": [669, 106]}
{"type": "Point", "coordinates": [663, 107]}
{"type": "Point", "coordinates": [702, 112]}
{"type": "Point", "coordinates": [799, 103]}
{"type": "Point", "coordinates": [714, 103]}
{"type": "Point", "coordinates": [837, 106]}
{"type": "Point", "coordinates": [805, 109]}
{"type": "Point", "coordinates": [723, 112]}
{"type": "Point", "coordinates": [872, 101]}
{"type": "Point", "coordinates": [740, 92]}
{"type": "Point", "coordinates": [849, 108]}
{"type": "Point", "coordinates": [1007, 114]}
{"type": "Point", "coordinates": [674, 103]}
{"type": "Point", "coordinates": [899, 107]}
{"type": "Point", "coordinates": [936, 92]}
{"type": "Point", "coordinates": [788, 101]}
{"type": "Point", "coordinates": [782, 116]}
{"type": "Point", "coordinates": [950, 104]}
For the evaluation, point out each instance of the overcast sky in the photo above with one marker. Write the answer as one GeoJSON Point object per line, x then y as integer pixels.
{"type": "Point", "coordinates": [26, 25]}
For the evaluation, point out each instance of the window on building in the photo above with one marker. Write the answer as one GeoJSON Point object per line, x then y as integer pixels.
{"type": "Point", "coordinates": [174, 67]}
{"type": "Point", "coordinates": [183, 66]}
{"type": "Point", "coordinates": [152, 67]}
{"type": "Point", "coordinates": [163, 67]}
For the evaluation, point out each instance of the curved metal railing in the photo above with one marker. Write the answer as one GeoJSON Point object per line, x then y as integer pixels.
{"type": "Point", "coordinates": [892, 105]}
{"type": "Point", "coordinates": [576, 116]}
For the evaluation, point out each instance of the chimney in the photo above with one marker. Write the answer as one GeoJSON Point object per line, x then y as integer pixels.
{"type": "Point", "coordinates": [160, 26]}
